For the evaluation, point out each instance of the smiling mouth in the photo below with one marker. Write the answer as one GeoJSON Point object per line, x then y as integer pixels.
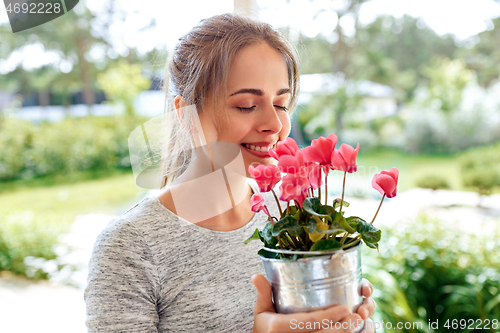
{"type": "Point", "coordinates": [259, 149]}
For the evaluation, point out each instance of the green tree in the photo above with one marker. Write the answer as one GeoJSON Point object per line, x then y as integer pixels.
{"type": "Point", "coordinates": [315, 54]}
{"type": "Point", "coordinates": [484, 56]}
{"type": "Point", "coordinates": [122, 82]}
{"type": "Point", "coordinates": [327, 111]}
{"type": "Point", "coordinates": [447, 80]}
{"type": "Point", "coordinates": [395, 49]}
{"type": "Point", "coordinates": [75, 37]}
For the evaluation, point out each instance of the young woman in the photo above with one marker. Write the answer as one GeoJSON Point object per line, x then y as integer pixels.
{"type": "Point", "coordinates": [159, 268]}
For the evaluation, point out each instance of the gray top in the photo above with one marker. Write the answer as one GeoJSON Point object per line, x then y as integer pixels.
{"type": "Point", "coordinates": [152, 271]}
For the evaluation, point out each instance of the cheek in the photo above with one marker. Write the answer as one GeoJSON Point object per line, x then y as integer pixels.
{"type": "Point", "coordinates": [286, 125]}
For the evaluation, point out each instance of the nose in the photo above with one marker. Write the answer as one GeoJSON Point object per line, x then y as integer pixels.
{"type": "Point", "coordinates": [270, 120]}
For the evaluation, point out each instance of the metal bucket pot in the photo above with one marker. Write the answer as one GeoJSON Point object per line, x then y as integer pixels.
{"type": "Point", "coordinates": [315, 283]}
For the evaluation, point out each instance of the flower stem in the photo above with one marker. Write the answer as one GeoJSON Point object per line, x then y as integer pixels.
{"type": "Point", "coordinates": [355, 239]}
{"type": "Point", "coordinates": [278, 203]}
{"type": "Point", "coordinates": [292, 240]}
{"type": "Point", "coordinates": [343, 188]}
{"type": "Point", "coordinates": [354, 242]}
{"type": "Point", "coordinates": [342, 241]}
{"type": "Point", "coordinates": [280, 242]}
{"type": "Point", "coordinates": [326, 188]}
{"type": "Point", "coordinates": [268, 214]}
{"type": "Point", "coordinates": [378, 208]}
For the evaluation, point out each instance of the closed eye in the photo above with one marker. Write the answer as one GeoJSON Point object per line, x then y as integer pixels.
{"type": "Point", "coordinates": [283, 108]}
{"type": "Point", "coordinates": [246, 109]}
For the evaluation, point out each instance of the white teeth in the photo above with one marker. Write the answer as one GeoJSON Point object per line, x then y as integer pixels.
{"type": "Point", "coordinates": [258, 148]}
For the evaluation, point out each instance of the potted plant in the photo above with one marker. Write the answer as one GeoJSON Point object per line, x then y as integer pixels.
{"type": "Point", "coordinates": [311, 252]}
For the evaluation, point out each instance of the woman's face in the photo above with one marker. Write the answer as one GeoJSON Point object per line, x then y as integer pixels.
{"type": "Point", "coordinates": [258, 94]}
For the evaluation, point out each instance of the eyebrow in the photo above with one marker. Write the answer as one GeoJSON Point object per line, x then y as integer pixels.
{"type": "Point", "coordinates": [259, 92]}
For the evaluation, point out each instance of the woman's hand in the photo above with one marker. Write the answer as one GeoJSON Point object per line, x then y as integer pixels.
{"type": "Point", "coordinates": [267, 320]}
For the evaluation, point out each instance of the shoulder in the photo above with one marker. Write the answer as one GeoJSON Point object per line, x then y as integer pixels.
{"type": "Point", "coordinates": [138, 224]}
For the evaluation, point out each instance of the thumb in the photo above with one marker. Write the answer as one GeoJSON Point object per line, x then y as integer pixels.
{"type": "Point", "coordinates": [264, 302]}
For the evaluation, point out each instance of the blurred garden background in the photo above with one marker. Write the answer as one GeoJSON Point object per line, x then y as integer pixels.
{"type": "Point", "coordinates": [415, 83]}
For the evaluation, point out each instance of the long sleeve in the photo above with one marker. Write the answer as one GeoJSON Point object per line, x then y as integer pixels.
{"type": "Point", "coordinates": [123, 285]}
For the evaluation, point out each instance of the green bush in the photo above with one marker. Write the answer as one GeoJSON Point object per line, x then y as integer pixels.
{"type": "Point", "coordinates": [16, 137]}
{"type": "Point", "coordinates": [74, 144]}
{"type": "Point", "coordinates": [434, 182]}
{"type": "Point", "coordinates": [480, 168]}
{"type": "Point", "coordinates": [429, 270]}
{"type": "Point", "coordinates": [26, 235]}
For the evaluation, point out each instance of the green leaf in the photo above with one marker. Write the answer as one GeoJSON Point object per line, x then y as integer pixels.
{"type": "Point", "coordinates": [288, 223]}
{"type": "Point", "coordinates": [335, 227]}
{"type": "Point", "coordinates": [353, 221]}
{"type": "Point", "coordinates": [312, 205]}
{"type": "Point", "coordinates": [368, 232]}
{"type": "Point", "coordinates": [309, 226]}
{"type": "Point", "coordinates": [325, 209]}
{"type": "Point", "coordinates": [326, 244]}
{"type": "Point", "coordinates": [255, 236]}
{"type": "Point", "coordinates": [267, 233]}
{"type": "Point", "coordinates": [340, 219]}
{"type": "Point", "coordinates": [371, 245]}
{"type": "Point", "coordinates": [336, 203]}
{"type": "Point", "coordinates": [267, 254]}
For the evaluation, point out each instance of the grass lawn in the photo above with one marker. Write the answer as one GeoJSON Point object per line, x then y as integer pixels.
{"type": "Point", "coordinates": [77, 195]}
{"type": "Point", "coordinates": [34, 214]}
{"type": "Point", "coordinates": [413, 167]}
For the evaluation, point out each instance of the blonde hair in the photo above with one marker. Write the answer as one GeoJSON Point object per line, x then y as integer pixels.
{"type": "Point", "coordinates": [199, 67]}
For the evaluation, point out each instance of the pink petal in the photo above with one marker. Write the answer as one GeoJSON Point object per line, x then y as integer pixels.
{"type": "Point", "coordinates": [338, 162]}
{"type": "Point", "coordinates": [289, 164]}
{"type": "Point", "coordinates": [387, 184]}
{"type": "Point", "coordinates": [315, 176]}
{"type": "Point", "coordinates": [375, 185]}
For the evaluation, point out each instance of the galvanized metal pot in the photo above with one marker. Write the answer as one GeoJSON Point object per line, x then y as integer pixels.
{"type": "Point", "coordinates": [315, 283]}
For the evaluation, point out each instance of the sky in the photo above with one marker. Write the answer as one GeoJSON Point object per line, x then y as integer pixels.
{"type": "Point", "coordinates": [175, 18]}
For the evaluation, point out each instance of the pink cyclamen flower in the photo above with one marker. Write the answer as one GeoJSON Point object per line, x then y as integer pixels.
{"type": "Point", "coordinates": [315, 176]}
{"type": "Point", "coordinates": [293, 164]}
{"type": "Point", "coordinates": [266, 176]}
{"type": "Point", "coordinates": [294, 187]}
{"type": "Point", "coordinates": [344, 159]}
{"type": "Point", "coordinates": [258, 203]}
{"type": "Point", "coordinates": [287, 147]}
{"type": "Point", "coordinates": [320, 151]}
{"type": "Point", "coordinates": [386, 182]}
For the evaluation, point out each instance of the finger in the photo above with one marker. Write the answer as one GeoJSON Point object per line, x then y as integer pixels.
{"type": "Point", "coordinates": [366, 288]}
{"type": "Point", "coordinates": [369, 327]}
{"type": "Point", "coordinates": [349, 324]}
{"type": "Point", "coordinates": [367, 309]}
{"type": "Point", "coordinates": [310, 321]}
{"type": "Point", "coordinates": [264, 302]}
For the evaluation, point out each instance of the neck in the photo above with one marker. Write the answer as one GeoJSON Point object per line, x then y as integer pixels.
{"type": "Point", "coordinates": [218, 200]}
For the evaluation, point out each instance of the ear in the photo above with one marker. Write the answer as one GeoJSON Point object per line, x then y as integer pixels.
{"type": "Point", "coordinates": [179, 103]}
{"type": "Point", "coordinates": [180, 109]}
